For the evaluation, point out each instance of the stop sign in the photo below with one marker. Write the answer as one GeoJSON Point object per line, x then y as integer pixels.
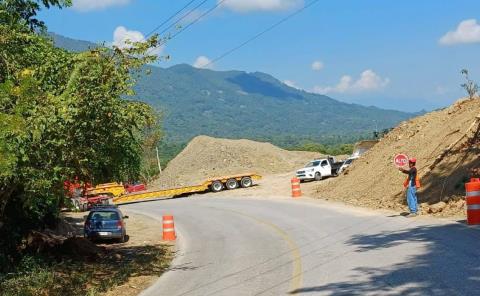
{"type": "Point", "coordinates": [400, 160]}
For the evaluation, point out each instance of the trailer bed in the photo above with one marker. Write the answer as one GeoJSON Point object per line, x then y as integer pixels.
{"type": "Point", "coordinates": [172, 192]}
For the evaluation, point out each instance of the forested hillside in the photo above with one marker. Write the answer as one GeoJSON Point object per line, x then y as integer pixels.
{"type": "Point", "coordinates": [236, 104]}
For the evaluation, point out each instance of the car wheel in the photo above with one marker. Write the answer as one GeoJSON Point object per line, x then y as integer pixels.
{"type": "Point", "coordinates": [318, 176]}
{"type": "Point", "coordinates": [246, 182]}
{"type": "Point", "coordinates": [122, 239]}
{"type": "Point", "coordinates": [231, 184]}
{"type": "Point", "coordinates": [216, 186]}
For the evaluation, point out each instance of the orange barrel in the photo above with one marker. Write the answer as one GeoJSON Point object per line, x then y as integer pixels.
{"type": "Point", "coordinates": [473, 201]}
{"type": "Point", "coordinates": [296, 191]}
{"type": "Point", "coordinates": [168, 228]}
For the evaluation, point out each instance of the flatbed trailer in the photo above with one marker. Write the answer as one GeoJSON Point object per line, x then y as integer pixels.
{"type": "Point", "coordinates": [214, 184]}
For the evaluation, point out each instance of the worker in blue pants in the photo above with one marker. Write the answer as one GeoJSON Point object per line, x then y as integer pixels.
{"type": "Point", "coordinates": [412, 183]}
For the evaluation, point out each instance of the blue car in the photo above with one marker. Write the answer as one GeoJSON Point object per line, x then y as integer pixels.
{"type": "Point", "coordinates": [105, 222]}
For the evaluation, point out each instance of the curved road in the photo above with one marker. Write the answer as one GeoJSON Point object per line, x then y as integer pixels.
{"type": "Point", "coordinates": [246, 246]}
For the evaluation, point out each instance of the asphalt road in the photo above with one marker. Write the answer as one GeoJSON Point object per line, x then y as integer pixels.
{"type": "Point", "coordinates": [249, 246]}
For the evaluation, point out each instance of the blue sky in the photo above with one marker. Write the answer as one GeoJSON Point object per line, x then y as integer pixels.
{"type": "Point", "coordinates": [405, 55]}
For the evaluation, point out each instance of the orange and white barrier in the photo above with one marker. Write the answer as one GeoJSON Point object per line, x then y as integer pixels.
{"type": "Point", "coordinates": [296, 191]}
{"type": "Point", "coordinates": [168, 228]}
{"type": "Point", "coordinates": [473, 201]}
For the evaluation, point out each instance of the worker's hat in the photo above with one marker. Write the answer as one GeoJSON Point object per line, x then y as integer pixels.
{"type": "Point", "coordinates": [412, 160]}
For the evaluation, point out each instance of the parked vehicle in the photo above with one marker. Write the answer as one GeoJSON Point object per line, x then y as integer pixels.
{"type": "Point", "coordinates": [319, 169]}
{"type": "Point", "coordinates": [105, 222]}
{"type": "Point", "coordinates": [346, 164]}
{"type": "Point", "coordinates": [135, 187]}
{"type": "Point", "coordinates": [88, 201]}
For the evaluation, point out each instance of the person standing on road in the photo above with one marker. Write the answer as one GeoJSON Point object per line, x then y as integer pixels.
{"type": "Point", "coordinates": [411, 184]}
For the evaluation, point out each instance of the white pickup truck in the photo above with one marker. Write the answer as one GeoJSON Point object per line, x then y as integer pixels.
{"type": "Point", "coordinates": [319, 168]}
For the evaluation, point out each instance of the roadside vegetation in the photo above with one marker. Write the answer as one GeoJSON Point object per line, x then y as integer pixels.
{"type": "Point", "coordinates": [47, 275]}
{"type": "Point", "coordinates": [62, 115]}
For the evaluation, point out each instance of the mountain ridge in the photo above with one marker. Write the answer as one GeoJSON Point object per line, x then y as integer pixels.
{"type": "Point", "coordinates": [254, 105]}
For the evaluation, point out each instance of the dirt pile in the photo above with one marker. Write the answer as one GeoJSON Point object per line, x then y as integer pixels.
{"type": "Point", "coordinates": [206, 157]}
{"type": "Point", "coordinates": [373, 181]}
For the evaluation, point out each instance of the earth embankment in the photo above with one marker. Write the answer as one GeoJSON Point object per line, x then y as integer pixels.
{"type": "Point", "coordinates": [373, 181]}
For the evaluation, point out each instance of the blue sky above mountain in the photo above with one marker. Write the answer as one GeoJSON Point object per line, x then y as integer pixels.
{"type": "Point", "coordinates": [405, 55]}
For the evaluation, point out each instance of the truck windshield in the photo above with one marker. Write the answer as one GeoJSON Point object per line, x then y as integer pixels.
{"type": "Point", "coordinates": [312, 164]}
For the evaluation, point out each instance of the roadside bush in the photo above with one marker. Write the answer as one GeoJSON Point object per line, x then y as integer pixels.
{"type": "Point", "coordinates": [62, 115]}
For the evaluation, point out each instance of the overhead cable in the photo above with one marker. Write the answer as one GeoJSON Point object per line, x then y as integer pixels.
{"type": "Point", "coordinates": [256, 36]}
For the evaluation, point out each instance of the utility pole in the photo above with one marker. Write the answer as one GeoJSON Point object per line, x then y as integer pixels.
{"type": "Point", "coordinates": [158, 161]}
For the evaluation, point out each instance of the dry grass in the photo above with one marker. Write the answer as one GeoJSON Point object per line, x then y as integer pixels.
{"type": "Point", "coordinates": [119, 269]}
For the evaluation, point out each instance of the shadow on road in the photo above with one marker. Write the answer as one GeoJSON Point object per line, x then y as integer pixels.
{"type": "Point", "coordinates": [450, 264]}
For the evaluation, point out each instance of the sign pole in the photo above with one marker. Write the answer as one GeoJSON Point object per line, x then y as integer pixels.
{"type": "Point", "coordinates": [158, 161]}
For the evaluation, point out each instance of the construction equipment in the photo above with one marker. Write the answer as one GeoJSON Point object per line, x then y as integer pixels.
{"type": "Point", "coordinates": [116, 189]}
{"type": "Point", "coordinates": [214, 184]}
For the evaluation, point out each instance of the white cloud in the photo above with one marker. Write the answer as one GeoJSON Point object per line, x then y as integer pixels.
{"type": "Point", "coordinates": [87, 5]}
{"type": "Point", "coordinates": [291, 84]}
{"type": "Point", "coordinates": [468, 31]}
{"type": "Point", "coordinates": [122, 36]}
{"type": "Point", "coordinates": [317, 65]}
{"type": "Point", "coordinates": [202, 62]}
{"type": "Point", "coordinates": [261, 5]}
{"type": "Point", "coordinates": [368, 81]}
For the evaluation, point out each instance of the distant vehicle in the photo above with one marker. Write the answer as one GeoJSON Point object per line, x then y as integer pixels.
{"type": "Point", "coordinates": [135, 187]}
{"type": "Point", "coordinates": [319, 169]}
{"type": "Point", "coordinates": [88, 201]}
{"type": "Point", "coordinates": [348, 162]}
{"type": "Point", "coordinates": [105, 222]}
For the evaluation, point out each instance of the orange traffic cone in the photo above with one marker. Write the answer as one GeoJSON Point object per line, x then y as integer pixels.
{"type": "Point", "coordinates": [168, 228]}
{"type": "Point", "coordinates": [296, 191]}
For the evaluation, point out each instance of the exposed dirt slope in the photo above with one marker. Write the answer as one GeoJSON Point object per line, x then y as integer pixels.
{"type": "Point", "coordinates": [206, 157]}
{"type": "Point", "coordinates": [373, 181]}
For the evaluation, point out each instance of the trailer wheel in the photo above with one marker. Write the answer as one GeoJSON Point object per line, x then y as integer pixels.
{"type": "Point", "coordinates": [216, 186]}
{"type": "Point", "coordinates": [318, 176]}
{"type": "Point", "coordinates": [246, 182]}
{"type": "Point", "coordinates": [231, 184]}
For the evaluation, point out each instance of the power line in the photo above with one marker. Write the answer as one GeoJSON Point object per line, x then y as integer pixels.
{"type": "Point", "coordinates": [170, 18]}
{"type": "Point", "coordinates": [161, 43]}
{"type": "Point", "coordinates": [183, 17]}
{"type": "Point", "coordinates": [298, 11]}
{"type": "Point", "coordinates": [195, 20]}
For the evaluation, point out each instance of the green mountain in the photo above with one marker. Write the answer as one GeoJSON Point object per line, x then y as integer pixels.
{"type": "Point", "coordinates": [237, 104]}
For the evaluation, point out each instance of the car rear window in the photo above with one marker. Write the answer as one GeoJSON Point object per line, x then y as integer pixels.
{"type": "Point", "coordinates": [104, 215]}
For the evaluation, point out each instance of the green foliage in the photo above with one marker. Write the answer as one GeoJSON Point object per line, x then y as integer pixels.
{"type": "Point", "coordinates": [24, 12]}
{"type": "Point", "coordinates": [224, 104]}
{"type": "Point", "coordinates": [45, 275]}
{"type": "Point", "coordinates": [63, 115]}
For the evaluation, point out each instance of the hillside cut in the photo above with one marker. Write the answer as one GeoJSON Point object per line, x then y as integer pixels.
{"type": "Point", "coordinates": [206, 157]}
{"type": "Point", "coordinates": [373, 181]}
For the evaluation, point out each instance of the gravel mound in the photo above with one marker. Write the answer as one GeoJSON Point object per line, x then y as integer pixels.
{"type": "Point", "coordinates": [207, 157]}
{"type": "Point", "coordinates": [373, 181]}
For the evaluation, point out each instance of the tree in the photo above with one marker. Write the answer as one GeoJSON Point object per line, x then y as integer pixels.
{"type": "Point", "coordinates": [470, 87]}
{"type": "Point", "coordinates": [63, 115]}
{"type": "Point", "coordinates": [13, 12]}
